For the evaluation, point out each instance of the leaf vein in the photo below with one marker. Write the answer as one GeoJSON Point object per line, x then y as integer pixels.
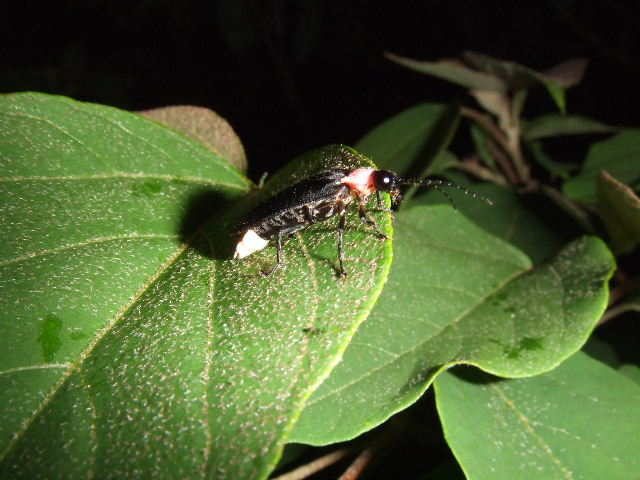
{"type": "Point", "coordinates": [34, 367]}
{"type": "Point", "coordinates": [84, 243]}
{"type": "Point", "coordinates": [529, 427]}
{"type": "Point", "coordinates": [55, 127]}
{"type": "Point", "coordinates": [26, 424]}
{"type": "Point", "coordinates": [134, 175]}
{"type": "Point", "coordinates": [419, 344]}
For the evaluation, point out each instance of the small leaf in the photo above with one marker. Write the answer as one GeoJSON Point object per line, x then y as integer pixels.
{"type": "Point", "coordinates": [456, 295]}
{"type": "Point", "coordinates": [619, 208]}
{"type": "Point", "coordinates": [568, 73]}
{"type": "Point", "coordinates": [518, 77]}
{"type": "Point", "coordinates": [497, 103]}
{"type": "Point", "coordinates": [407, 141]}
{"type": "Point", "coordinates": [454, 71]}
{"type": "Point", "coordinates": [204, 126]}
{"type": "Point", "coordinates": [568, 423]}
{"type": "Point", "coordinates": [618, 155]}
{"type": "Point", "coordinates": [556, 125]}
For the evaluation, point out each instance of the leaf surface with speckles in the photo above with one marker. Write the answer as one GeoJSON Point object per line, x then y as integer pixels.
{"type": "Point", "coordinates": [132, 344]}
{"type": "Point", "coordinates": [457, 294]}
{"type": "Point", "coordinates": [579, 421]}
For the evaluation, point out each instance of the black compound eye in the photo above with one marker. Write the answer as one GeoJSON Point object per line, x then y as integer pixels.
{"type": "Point", "coordinates": [385, 180]}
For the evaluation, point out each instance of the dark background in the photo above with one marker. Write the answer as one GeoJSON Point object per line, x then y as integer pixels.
{"type": "Point", "coordinates": [293, 75]}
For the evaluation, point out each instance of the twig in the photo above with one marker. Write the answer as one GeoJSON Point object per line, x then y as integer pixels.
{"type": "Point", "coordinates": [396, 426]}
{"type": "Point", "coordinates": [617, 310]}
{"type": "Point", "coordinates": [571, 207]}
{"type": "Point", "coordinates": [486, 122]}
{"type": "Point", "coordinates": [359, 464]}
{"type": "Point", "coordinates": [503, 162]}
{"type": "Point", "coordinates": [305, 471]}
{"type": "Point", "coordinates": [472, 166]}
{"type": "Point", "coordinates": [625, 285]}
{"type": "Point", "coordinates": [521, 172]}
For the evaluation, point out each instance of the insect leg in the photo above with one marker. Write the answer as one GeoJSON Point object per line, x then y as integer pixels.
{"type": "Point", "coordinates": [266, 273]}
{"type": "Point", "coordinates": [281, 233]}
{"type": "Point", "coordinates": [362, 213]}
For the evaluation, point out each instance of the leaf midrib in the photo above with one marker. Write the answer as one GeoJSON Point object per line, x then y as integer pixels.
{"type": "Point", "coordinates": [132, 175]}
{"type": "Point", "coordinates": [529, 428]}
{"type": "Point", "coordinates": [85, 243]}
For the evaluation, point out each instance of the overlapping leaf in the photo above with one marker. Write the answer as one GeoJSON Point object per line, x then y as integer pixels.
{"type": "Point", "coordinates": [132, 345]}
{"type": "Point", "coordinates": [457, 295]}
{"type": "Point", "coordinates": [578, 421]}
{"type": "Point", "coordinates": [205, 127]}
{"type": "Point", "coordinates": [555, 125]}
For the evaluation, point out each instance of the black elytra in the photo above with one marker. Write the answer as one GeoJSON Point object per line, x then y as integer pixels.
{"type": "Point", "coordinates": [319, 198]}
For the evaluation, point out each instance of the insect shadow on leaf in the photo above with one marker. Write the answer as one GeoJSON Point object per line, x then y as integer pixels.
{"type": "Point", "coordinates": [199, 220]}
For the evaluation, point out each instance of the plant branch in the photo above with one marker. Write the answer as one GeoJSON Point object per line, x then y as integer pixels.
{"type": "Point", "coordinates": [396, 426]}
{"type": "Point", "coordinates": [517, 171]}
{"type": "Point", "coordinates": [472, 166]}
{"type": "Point", "coordinates": [571, 207]}
{"type": "Point", "coordinates": [503, 162]}
{"type": "Point", "coordinates": [624, 287]}
{"type": "Point", "coordinates": [305, 471]}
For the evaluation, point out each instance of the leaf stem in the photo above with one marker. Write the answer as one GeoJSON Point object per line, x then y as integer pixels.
{"type": "Point", "coordinates": [305, 471]}
{"type": "Point", "coordinates": [395, 427]}
{"type": "Point", "coordinates": [516, 171]}
{"type": "Point", "coordinates": [472, 165]}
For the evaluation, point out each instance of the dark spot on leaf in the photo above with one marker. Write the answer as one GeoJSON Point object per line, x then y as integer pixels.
{"type": "Point", "coordinates": [77, 334]}
{"type": "Point", "coordinates": [529, 343]}
{"type": "Point", "coordinates": [526, 343]}
{"type": "Point", "coordinates": [148, 188]}
{"type": "Point", "coordinates": [49, 336]}
{"type": "Point", "coordinates": [200, 210]}
{"type": "Point", "coordinates": [512, 353]}
{"type": "Point", "coordinates": [312, 331]}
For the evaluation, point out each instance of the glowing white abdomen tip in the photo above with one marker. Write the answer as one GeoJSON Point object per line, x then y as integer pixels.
{"type": "Point", "coordinates": [249, 243]}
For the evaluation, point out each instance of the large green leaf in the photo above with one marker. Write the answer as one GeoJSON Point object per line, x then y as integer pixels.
{"type": "Point", "coordinates": [457, 295]}
{"type": "Point", "coordinates": [133, 347]}
{"type": "Point", "coordinates": [618, 155]}
{"type": "Point", "coordinates": [579, 421]}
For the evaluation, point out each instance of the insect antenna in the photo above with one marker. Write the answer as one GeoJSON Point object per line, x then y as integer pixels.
{"type": "Point", "coordinates": [435, 184]}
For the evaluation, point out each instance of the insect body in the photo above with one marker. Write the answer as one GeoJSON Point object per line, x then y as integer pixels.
{"type": "Point", "coordinates": [319, 198]}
